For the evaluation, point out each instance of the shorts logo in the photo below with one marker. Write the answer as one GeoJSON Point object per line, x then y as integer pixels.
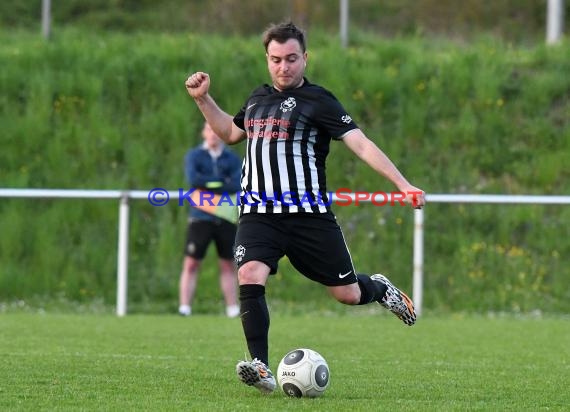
{"type": "Point", "coordinates": [342, 276]}
{"type": "Point", "coordinates": [191, 249]}
{"type": "Point", "coordinates": [288, 105]}
{"type": "Point", "coordinates": [346, 119]}
{"type": "Point", "coordinates": [239, 253]}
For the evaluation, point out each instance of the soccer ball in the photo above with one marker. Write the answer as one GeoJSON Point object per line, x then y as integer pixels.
{"type": "Point", "coordinates": [303, 373]}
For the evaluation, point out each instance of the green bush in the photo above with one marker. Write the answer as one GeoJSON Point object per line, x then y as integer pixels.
{"type": "Point", "coordinates": [110, 111]}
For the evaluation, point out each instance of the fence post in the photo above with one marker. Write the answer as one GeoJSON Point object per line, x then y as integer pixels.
{"type": "Point", "coordinates": [343, 17]}
{"type": "Point", "coordinates": [418, 279]}
{"type": "Point", "coordinates": [123, 255]}
{"type": "Point", "coordinates": [554, 21]}
{"type": "Point", "coordinates": [46, 18]}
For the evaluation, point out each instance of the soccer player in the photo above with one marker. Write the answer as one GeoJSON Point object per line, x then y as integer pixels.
{"type": "Point", "coordinates": [289, 126]}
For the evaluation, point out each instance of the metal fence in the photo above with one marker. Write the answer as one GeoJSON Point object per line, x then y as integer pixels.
{"type": "Point", "coordinates": [123, 230]}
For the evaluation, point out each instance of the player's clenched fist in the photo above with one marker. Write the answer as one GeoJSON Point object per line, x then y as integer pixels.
{"type": "Point", "coordinates": [197, 84]}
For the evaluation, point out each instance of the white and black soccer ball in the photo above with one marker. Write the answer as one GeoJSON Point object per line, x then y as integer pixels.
{"type": "Point", "coordinates": [303, 373]}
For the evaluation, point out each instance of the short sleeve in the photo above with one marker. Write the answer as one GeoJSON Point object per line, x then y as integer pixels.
{"type": "Point", "coordinates": [333, 117]}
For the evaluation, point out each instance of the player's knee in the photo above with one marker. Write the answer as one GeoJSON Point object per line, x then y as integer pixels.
{"type": "Point", "coordinates": [347, 295]}
{"type": "Point", "coordinates": [253, 273]}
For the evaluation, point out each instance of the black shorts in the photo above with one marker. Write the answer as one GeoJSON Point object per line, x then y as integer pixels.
{"type": "Point", "coordinates": [201, 232]}
{"type": "Point", "coordinates": [313, 242]}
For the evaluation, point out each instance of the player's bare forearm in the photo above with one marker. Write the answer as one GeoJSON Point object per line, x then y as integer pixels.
{"type": "Point", "coordinates": [378, 161]}
{"type": "Point", "coordinates": [372, 155]}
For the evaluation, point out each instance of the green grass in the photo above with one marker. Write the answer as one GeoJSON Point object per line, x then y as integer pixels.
{"type": "Point", "coordinates": [143, 362]}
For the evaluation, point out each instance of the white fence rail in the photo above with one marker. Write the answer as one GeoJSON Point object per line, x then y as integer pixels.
{"type": "Point", "coordinates": [123, 230]}
{"type": "Point", "coordinates": [418, 257]}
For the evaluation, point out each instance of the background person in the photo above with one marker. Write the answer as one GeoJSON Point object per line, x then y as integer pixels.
{"type": "Point", "coordinates": [213, 167]}
{"type": "Point", "coordinates": [289, 126]}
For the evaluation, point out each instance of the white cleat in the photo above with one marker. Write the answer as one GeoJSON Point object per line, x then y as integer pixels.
{"type": "Point", "coordinates": [396, 301]}
{"type": "Point", "coordinates": [256, 373]}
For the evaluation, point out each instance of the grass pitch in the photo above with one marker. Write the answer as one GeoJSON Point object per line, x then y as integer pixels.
{"type": "Point", "coordinates": [167, 363]}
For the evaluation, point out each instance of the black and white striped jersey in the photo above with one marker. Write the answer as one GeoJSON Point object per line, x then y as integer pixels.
{"type": "Point", "coordinates": [288, 139]}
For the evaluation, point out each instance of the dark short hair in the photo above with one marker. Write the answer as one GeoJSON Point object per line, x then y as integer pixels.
{"type": "Point", "coordinates": [282, 32]}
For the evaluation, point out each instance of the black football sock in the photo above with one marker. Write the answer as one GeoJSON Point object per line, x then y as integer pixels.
{"type": "Point", "coordinates": [370, 291]}
{"type": "Point", "coordinates": [255, 320]}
